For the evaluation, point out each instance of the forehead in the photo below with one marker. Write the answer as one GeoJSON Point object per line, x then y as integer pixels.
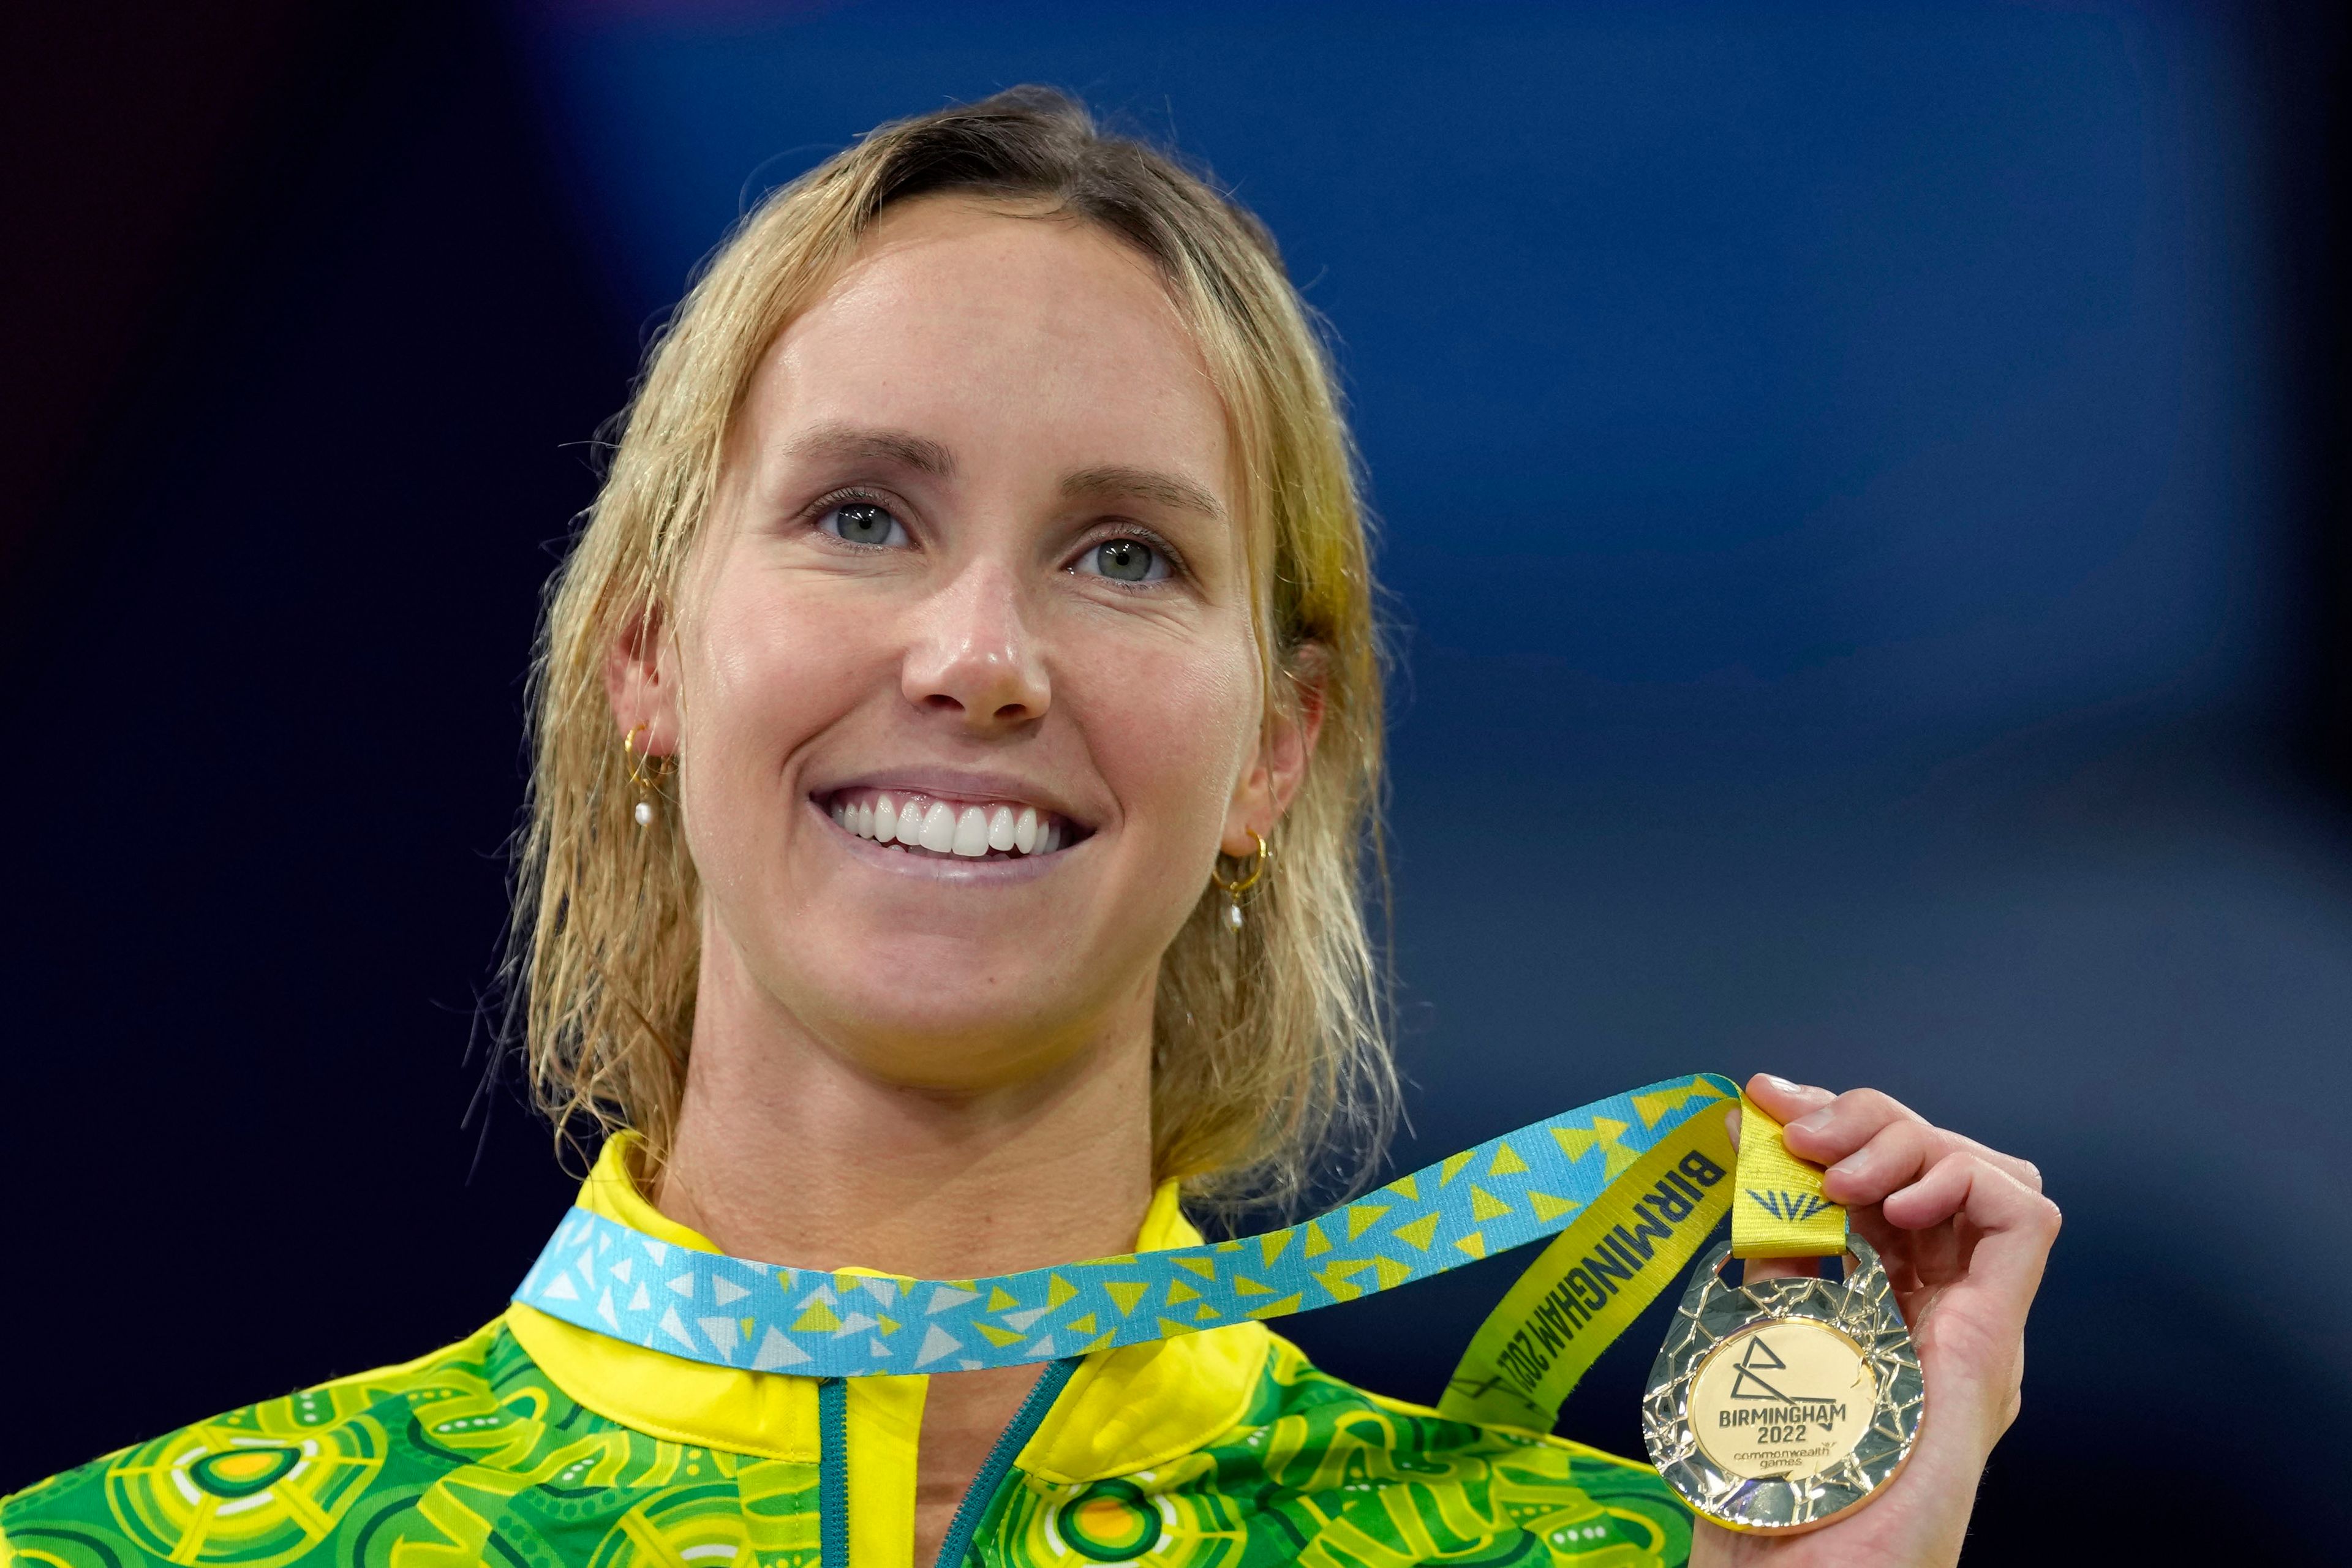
{"type": "Point", "coordinates": [1004, 337]}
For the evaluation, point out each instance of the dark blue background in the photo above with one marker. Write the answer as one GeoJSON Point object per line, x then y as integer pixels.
{"type": "Point", "coordinates": [1864, 581]}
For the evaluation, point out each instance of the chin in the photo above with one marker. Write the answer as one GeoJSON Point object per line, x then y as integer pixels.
{"type": "Point", "coordinates": [937, 1015]}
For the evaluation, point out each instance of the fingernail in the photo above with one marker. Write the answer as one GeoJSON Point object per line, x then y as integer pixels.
{"type": "Point", "coordinates": [1845, 1167]}
{"type": "Point", "coordinates": [1782, 1084]}
{"type": "Point", "coordinates": [1817, 1121]}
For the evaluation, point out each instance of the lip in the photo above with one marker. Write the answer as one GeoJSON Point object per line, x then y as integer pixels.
{"type": "Point", "coordinates": [939, 868]}
{"type": "Point", "coordinates": [976, 786]}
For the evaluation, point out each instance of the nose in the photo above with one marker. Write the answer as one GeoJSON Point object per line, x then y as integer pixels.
{"type": "Point", "coordinates": [972, 653]}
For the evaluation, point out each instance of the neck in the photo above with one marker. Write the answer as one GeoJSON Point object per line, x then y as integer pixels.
{"type": "Point", "coordinates": [789, 1150]}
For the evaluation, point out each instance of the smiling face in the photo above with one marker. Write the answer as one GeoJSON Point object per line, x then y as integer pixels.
{"type": "Point", "coordinates": [974, 583]}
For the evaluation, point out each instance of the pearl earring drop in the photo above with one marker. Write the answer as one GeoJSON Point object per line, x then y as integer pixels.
{"type": "Point", "coordinates": [656, 766]}
{"type": "Point", "coordinates": [1259, 861]}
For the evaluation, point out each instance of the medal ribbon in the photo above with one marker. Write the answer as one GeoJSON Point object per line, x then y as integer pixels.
{"type": "Point", "coordinates": [1593, 1280]}
{"type": "Point", "coordinates": [1630, 1185]}
{"type": "Point", "coordinates": [1782, 1212]}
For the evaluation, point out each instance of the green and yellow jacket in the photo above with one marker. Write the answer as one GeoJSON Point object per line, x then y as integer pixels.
{"type": "Point", "coordinates": [534, 1444]}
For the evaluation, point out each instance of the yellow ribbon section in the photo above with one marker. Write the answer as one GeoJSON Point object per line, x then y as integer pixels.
{"type": "Point", "coordinates": [1778, 1210]}
{"type": "Point", "coordinates": [1593, 1280]}
{"type": "Point", "coordinates": [1588, 1286]}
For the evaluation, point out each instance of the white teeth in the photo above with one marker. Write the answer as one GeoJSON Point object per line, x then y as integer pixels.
{"type": "Point", "coordinates": [944, 828]}
{"type": "Point", "coordinates": [971, 839]}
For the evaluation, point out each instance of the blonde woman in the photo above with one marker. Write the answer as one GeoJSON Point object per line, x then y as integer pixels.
{"type": "Point", "coordinates": [957, 728]}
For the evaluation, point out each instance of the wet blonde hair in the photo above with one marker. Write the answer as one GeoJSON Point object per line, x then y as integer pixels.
{"type": "Point", "coordinates": [1270, 1048]}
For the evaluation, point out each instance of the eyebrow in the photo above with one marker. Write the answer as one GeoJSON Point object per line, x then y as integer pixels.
{"type": "Point", "coordinates": [1115, 482]}
{"type": "Point", "coordinates": [1109, 481]}
{"type": "Point", "coordinates": [852, 443]}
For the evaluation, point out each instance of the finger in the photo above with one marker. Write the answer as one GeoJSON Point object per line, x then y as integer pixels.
{"type": "Point", "coordinates": [1829, 1127]}
{"type": "Point", "coordinates": [2025, 1171]}
{"type": "Point", "coordinates": [1853, 1119]}
{"type": "Point", "coordinates": [1895, 1249]}
{"type": "Point", "coordinates": [1844, 1124]}
{"type": "Point", "coordinates": [1899, 1152]}
{"type": "Point", "coordinates": [1783, 1101]}
{"type": "Point", "coordinates": [2015, 1225]}
{"type": "Point", "coordinates": [1896, 1155]}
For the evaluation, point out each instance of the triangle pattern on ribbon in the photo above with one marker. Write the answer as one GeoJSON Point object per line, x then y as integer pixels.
{"type": "Point", "coordinates": [1419, 1233]}
{"type": "Point", "coordinates": [1549, 1208]}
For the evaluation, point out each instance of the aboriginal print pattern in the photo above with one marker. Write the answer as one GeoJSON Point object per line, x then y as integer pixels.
{"type": "Point", "coordinates": [475, 1458]}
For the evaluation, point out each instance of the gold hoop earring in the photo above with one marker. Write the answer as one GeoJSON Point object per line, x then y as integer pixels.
{"type": "Point", "coordinates": [637, 763]}
{"type": "Point", "coordinates": [1259, 861]}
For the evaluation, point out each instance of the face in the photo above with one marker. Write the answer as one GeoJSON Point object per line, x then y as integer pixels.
{"type": "Point", "coordinates": [963, 683]}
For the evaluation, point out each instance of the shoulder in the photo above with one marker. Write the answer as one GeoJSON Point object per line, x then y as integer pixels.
{"type": "Point", "coordinates": [267, 1482]}
{"type": "Point", "coordinates": [1317, 1470]}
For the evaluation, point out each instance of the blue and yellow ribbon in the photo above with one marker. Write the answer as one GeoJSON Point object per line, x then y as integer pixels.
{"type": "Point", "coordinates": [1630, 1185]}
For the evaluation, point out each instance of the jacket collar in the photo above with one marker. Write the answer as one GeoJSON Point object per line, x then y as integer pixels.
{"type": "Point", "coordinates": [1125, 1410]}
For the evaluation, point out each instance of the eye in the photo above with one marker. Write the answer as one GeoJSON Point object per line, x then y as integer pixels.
{"type": "Point", "coordinates": [863, 523]}
{"type": "Point", "coordinates": [1124, 561]}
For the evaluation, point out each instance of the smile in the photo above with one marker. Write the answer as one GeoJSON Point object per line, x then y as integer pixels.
{"type": "Point", "coordinates": [950, 828]}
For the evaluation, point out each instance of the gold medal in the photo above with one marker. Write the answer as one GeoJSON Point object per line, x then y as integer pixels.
{"type": "Point", "coordinates": [1778, 1407]}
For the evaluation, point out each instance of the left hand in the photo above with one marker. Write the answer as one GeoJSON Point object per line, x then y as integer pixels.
{"type": "Point", "coordinates": [1963, 1231]}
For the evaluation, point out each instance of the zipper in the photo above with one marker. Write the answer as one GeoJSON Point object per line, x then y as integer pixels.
{"type": "Point", "coordinates": [981, 1496]}
{"type": "Point", "coordinates": [833, 1472]}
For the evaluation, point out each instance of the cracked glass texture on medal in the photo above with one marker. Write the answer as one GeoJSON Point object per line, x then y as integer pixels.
{"type": "Point", "coordinates": [1779, 1406]}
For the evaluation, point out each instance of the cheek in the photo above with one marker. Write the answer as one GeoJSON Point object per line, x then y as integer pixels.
{"type": "Point", "coordinates": [761, 680]}
{"type": "Point", "coordinates": [1172, 735]}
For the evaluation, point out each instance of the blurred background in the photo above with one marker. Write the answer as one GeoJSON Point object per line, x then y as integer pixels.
{"type": "Point", "coordinates": [1863, 495]}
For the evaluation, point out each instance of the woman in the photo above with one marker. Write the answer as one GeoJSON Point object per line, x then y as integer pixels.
{"type": "Point", "coordinates": [956, 729]}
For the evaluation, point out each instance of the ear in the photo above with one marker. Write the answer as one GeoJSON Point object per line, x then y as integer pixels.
{"type": "Point", "coordinates": [1285, 747]}
{"type": "Point", "coordinates": [641, 680]}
